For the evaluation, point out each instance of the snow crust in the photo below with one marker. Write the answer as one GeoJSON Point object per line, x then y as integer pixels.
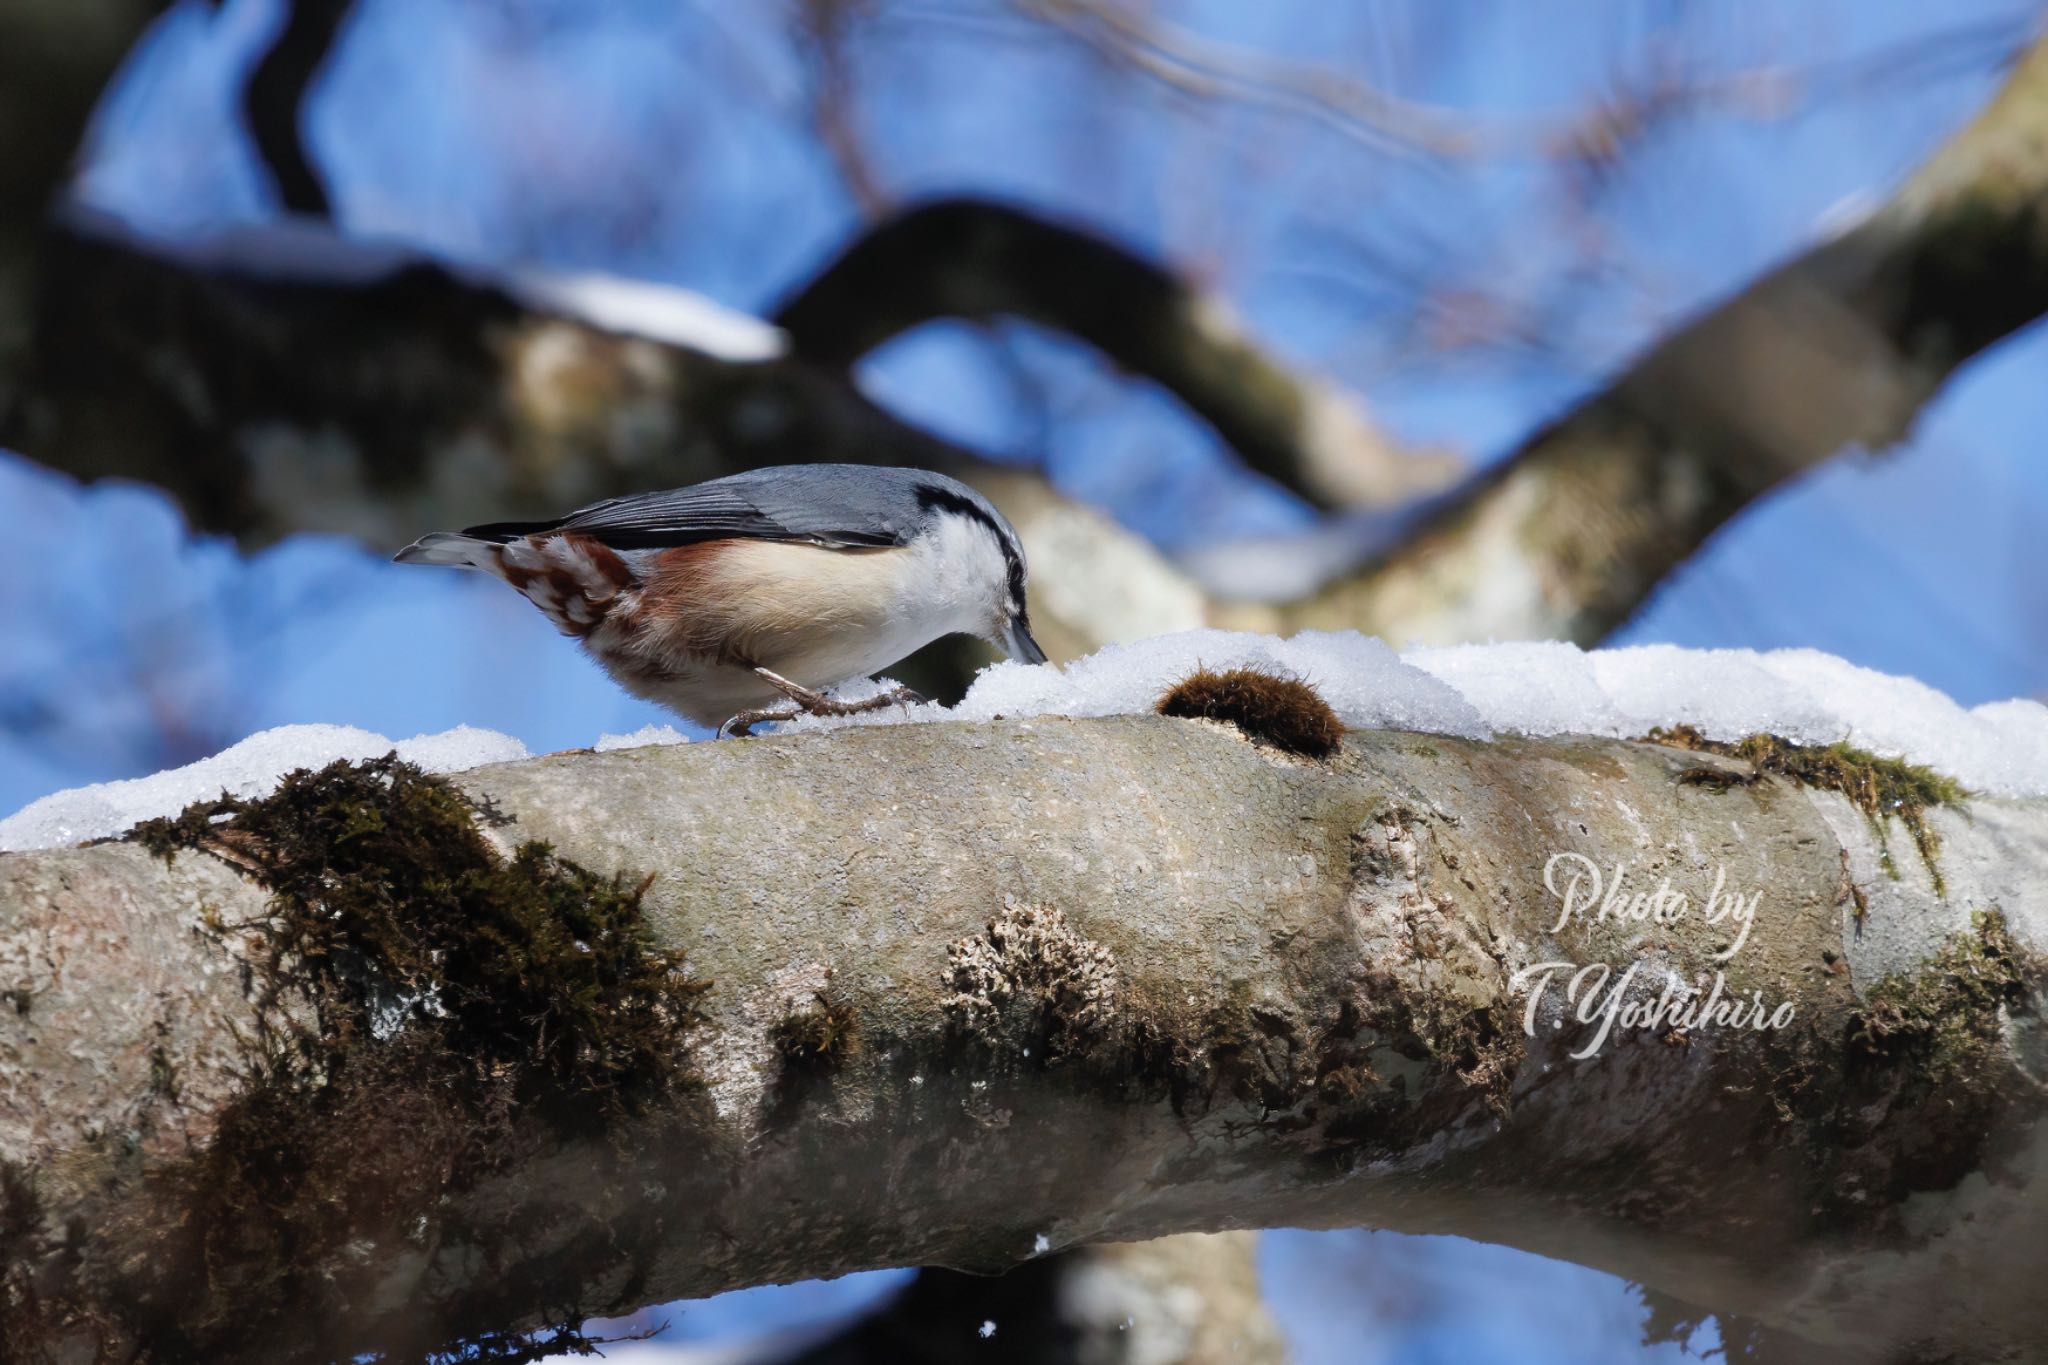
{"type": "Point", "coordinates": [644, 308]}
{"type": "Point", "coordinates": [641, 738]}
{"type": "Point", "coordinates": [1365, 681]}
{"type": "Point", "coordinates": [248, 769]}
{"type": "Point", "coordinates": [2000, 748]}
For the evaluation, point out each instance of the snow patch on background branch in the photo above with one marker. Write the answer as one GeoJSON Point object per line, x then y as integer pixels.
{"type": "Point", "coordinates": [312, 251]}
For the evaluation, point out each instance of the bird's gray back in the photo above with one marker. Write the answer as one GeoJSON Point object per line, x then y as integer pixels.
{"type": "Point", "coordinates": [828, 504]}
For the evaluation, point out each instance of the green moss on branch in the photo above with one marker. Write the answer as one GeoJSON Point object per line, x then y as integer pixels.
{"type": "Point", "coordinates": [418, 993]}
{"type": "Point", "coordinates": [1948, 1018]}
{"type": "Point", "coordinates": [1879, 787]}
{"type": "Point", "coordinates": [1917, 1087]}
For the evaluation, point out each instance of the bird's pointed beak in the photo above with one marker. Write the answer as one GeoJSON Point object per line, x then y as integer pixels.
{"type": "Point", "coordinates": [1018, 644]}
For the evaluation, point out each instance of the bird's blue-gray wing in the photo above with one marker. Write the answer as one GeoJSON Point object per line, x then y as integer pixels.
{"type": "Point", "coordinates": [838, 505]}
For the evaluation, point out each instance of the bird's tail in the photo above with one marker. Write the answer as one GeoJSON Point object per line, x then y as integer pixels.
{"type": "Point", "coordinates": [449, 547]}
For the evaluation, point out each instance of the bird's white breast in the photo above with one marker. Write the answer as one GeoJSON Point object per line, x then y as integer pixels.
{"type": "Point", "coordinates": [820, 616]}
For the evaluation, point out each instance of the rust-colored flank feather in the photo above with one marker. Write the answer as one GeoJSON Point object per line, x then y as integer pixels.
{"type": "Point", "coordinates": [574, 579]}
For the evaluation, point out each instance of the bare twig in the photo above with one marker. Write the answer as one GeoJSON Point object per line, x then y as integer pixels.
{"type": "Point", "coordinates": [835, 102]}
{"type": "Point", "coordinates": [1197, 67]}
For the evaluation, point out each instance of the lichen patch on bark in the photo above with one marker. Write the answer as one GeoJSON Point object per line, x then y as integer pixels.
{"type": "Point", "coordinates": [1031, 985]}
{"type": "Point", "coordinates": [1430, 1035]}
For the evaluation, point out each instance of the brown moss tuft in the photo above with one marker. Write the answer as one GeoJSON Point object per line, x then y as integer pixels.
{"type": "Point", "coordinates": [1286, 713]}
{"type": "Point", "coordinates": [1031, 983]}
{"type": "Point", "coordinates": [819, 1036]}
{"type": "Point", "coordinates": [418, 989]}
{"type": "Point", "coordinates": [1879, 787]}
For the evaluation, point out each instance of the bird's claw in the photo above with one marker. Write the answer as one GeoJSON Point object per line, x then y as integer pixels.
{"type": "Point", "coordinates": [742, 725]}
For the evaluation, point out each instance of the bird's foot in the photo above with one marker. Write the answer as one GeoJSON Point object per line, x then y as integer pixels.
{"type": "Point", "coordinates": [807, 700]}
{"type": "Point", "coordinates": [895, 696]}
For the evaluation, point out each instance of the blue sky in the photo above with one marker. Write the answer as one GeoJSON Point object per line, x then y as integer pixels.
{"type": "Point", "coordinates": [675, 142]}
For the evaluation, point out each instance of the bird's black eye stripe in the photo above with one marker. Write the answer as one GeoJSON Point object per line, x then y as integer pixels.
{"type": "Point", "coordinates": [931, 495]}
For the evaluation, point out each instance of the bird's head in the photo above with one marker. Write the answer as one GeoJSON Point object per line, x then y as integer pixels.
{"type": "Point", "coordinates": [979, 561]}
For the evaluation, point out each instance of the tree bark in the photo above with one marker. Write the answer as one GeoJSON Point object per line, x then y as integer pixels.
{"type": "Point", "coordinates": [1112, 980]}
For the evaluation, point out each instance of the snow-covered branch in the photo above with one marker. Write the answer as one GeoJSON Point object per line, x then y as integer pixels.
{"type": "Point", "coordinates": [964, 993]}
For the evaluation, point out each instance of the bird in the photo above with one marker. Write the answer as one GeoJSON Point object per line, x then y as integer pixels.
{"type": "Point", "coordinates": [723, 599]}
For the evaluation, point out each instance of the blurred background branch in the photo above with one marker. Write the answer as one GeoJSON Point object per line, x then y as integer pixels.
{"type": "Point", "coordinates": [1135, 38]}
{"type": "Point", "coordinates": [274, 101]}
{"type": "Point", "coordinates": [444, 398]}
{"type": "Point", "coordinates": [1837, 350]}
{"type": "Point", "coordinates": [56, 58]}
{"type": "Point", "coordinates": [977, 260]}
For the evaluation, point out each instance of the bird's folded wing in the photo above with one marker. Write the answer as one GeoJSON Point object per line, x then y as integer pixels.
{"type": "Point", "coordinates": [819, 504]}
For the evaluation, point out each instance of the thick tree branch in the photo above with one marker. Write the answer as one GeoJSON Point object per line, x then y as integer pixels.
{"type": "Point", "coordinates": [1189, 1300]}
{"type": "Point", "coordinates": [977, 985]}
{"type": "Point", "coordinates": [437, 397]}
{"type": "Point", "coordinates": [274, 101]}
{"type": "Point", "coordinates": [442, 398]}
{"type": "Point", "coordinates": [975, 259]}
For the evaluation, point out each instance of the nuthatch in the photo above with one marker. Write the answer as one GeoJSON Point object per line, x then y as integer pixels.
{"type": "Point", "coordinates": [715, 600]}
